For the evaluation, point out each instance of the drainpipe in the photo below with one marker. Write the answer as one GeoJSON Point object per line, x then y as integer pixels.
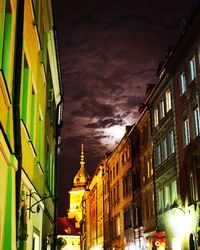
{"type": "Point", "coordinates": [55, 171]}
{"type": "Point", "coordinates": [58, 126]}
{"type": "Point", "coordinates": [16, 103]}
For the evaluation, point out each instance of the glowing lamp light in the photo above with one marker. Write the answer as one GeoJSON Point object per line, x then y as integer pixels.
{"type": "Point", "coordinates": [180, 222]}
{"type": "Point", "coordinates": [176, 243]}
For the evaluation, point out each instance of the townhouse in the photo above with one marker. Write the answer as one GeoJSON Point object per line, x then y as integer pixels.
{"type": "Point", "coordinates": [31, 114]}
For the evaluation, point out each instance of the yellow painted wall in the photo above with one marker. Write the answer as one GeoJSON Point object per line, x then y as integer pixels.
{"type": "Point", "coordinates": [75, 205]}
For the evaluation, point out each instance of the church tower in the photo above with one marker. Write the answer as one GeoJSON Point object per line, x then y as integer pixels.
{"type": "Point", "coordinates": [80, 184]}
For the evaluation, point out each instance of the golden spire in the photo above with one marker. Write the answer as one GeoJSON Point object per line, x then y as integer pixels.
{"type": "Point", "coordinates": [82, 162]}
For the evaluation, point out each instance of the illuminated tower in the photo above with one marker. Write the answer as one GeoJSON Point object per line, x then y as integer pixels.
{"type": "Point", "coordinates": [76, 193]}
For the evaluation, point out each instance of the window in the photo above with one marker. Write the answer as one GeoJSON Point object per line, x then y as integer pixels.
{"type": "Point", "coordinates": [157, 155]}
{"type": "Point", "coordinates": [6, 42]}
{"type": "Point", "coordinates": [153, 202]}
{"type": "Point", "coordinates": [160, 200]}
{"type": "Point", "coordinates": [171, 142]}
{"type": "Point", "coordinates": [117, 168]}
{"type": "Point", "coordinates": [125, 186]}
{"type": "Point", "coordinates": [182, 83]}
{"type": "Point", "coordinates": [118, 225]}
{"type": "Point", "coordinates": [110, 175]}
{"type": "Point", "coordinates": [36, 239]}
{"type": "Point", "coordinates": [168, 100]}
{"type": "Point", "coordinates": [24, 92]}
{"type": "Point", "coordinates": [117, 192]}
{"type": "Point", "coordinates": [33, 114]}
{"type": "Point", "coordinates": [192, 191]}
{"type": "Point", "coordinates": [164, 149]}
{"type": "Point", "coordinates": [115, 226]}
{"type": "Point", "coordinates": [123, 160]}
{"type": "Point", "coordinates": [127, 219]}
{"type": "Point", "coordinates": [156, 118]}
{"type": "Point", "coordinates": [196, 121]}
{"type": "Point", "coordinates": [40, 135]}
{"type": "Point", "coordinates": [167, 197]}
{"type": "Point", "coordinates": [192, 68]}
{"type": "Point", "coordinates": [174, 192]}
{"type": "Point", "coordinates": [162, 109]}
{"type": "Point", "coordinates": [113, 173]}
{"type": "Point", "coordinates": [186, 132]}
{"type": "Point", "coordinates": [114, 196]}
{"type": "Point", "coordinates": [49, 171]}
{"type": "Point", "coordinates": [148, 169]}
{"type": "Point", "coordinates": [36, 9]}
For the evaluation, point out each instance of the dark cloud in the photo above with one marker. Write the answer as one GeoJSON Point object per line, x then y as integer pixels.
{"type": "Point", "coordinates": [106, 123]}
{"type": "Point", "coordinates": [109, 52]}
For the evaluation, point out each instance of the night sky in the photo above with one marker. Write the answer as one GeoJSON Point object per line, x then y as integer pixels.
{"type": "Point", "coordinates": [109, 52]}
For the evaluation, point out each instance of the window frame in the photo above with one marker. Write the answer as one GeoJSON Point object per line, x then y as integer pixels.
{"type": "Point", "coordinates": [168, 98]}
{"type": "Point", "coordinates": [192, 68]}
{"type": "Point", "coordinates": [156, 116]}
{"type": "Point", "coordinates": [196, 117]}
{"type": "Point", "coordinates": [186, 131]}
{"type": "Point", "coordinates": [182, 80]}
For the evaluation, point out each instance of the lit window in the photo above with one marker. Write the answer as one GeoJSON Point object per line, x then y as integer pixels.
{"type": "Point", "coordinates": [171, 142]}
{"type": "Point", "coordinates": [192, 68]}
{"type": "Point", "coordinates": [36, 240]}
{"type": "Point", "coordinates": [186, 132]}
{"type": "Point", "coordinates": [160, 200]}
{"type": "Point", "coordinates": [164, 149]}
{"type": "Point", "coordinates": [162, 109]}
{"type": "Point", "coordinates": [197, 121]}
{"type": "Point", "coordinates": [148, 169]}
{"type": "Point", "coordinates": [151, 166]}
{"type": "Point", "coordinates": [173, 192]}
{"type": "Point", "coordinates": [168, 100]}
{"type": "Point", "coordinates": [118, 225]}
{"type": "Point", "coordinates": [157, 155]}
{"type": "Point", "coordinates": [182, 83]}
{"type": "Point", "coordinates": [167, 196]}
{"type": "Point", "coordinates": [156, 119]}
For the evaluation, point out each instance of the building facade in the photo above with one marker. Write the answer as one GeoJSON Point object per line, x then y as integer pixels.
{"type": "Point", "coordinates": [30, 126]}
{"type": "Point", "coordinates": [8, 159]}
{"type": "Point", "coordinates": [148, 231]}
{"type": "Point", "coordinates": [92, 222]}
{"type": "Point", "coordinates": [184, 65]}
{"type": "Point", "coordinates": [166, 166]}
{"type": "Point", "coordinates": [119, 186]}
